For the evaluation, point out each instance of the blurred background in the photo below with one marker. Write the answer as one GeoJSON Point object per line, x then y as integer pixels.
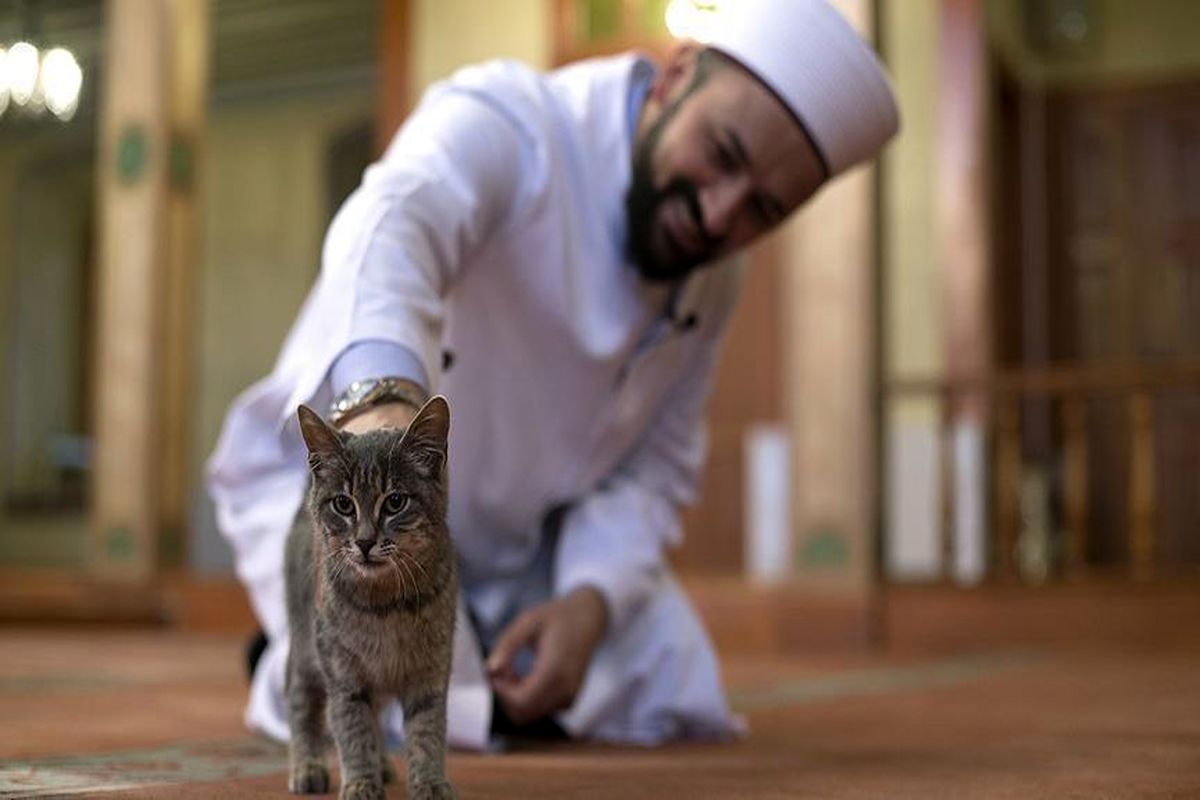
{"type": "Point", "coordinates": [974, 367]}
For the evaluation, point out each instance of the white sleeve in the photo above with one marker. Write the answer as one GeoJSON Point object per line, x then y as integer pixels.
{"type": "Point", "coordinates": [616, 538]}
{"type": "Point", "coordinates": [461, 168]}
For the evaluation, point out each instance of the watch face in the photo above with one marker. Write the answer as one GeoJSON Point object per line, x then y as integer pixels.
{"type": "Point", "coordinates": [364, 389]}
{"type": "Point", "coordinates": [371, 391]}
{"type": "Point", "coordinates": [354, 395]}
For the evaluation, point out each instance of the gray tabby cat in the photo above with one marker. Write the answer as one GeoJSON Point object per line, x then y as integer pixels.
{"type": "Point", "coordinates": [371, 594]}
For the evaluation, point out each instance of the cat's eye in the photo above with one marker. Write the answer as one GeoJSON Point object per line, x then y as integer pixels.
{"type": "Point", "coordinates": [395, 503]}
{"type": "Point", "coordinates": [343, 505]}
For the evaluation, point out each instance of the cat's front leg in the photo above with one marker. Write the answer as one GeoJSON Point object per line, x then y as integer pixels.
{"type": "Point", "coordinates": [307, 773]}
{"type": "Point", "coordinates": [386, 768]}
{"type": "Point", "coordinates": [356, 733]}
{"type": "Point", "coordinates": [425, 744]}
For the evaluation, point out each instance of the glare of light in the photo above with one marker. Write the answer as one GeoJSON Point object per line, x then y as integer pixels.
{"type": "Point", "coordinates": [60, 80]}
{"type": "Point", "coordinates": [693, 19]}
{"type": "Point", "coordinates": [21, 64]}
{"type": "Point", "coordinates": [3, 80]}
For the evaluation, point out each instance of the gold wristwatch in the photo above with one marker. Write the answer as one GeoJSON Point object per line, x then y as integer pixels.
{"type": "Point", "coordinates": [364, 394]}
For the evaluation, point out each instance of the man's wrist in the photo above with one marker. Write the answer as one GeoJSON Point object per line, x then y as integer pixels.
{"type": "Point", "coordinates": [361, 396]}
{"type": "Point", "coordinates": [591, 595]}
{"type": "Point", "coordinates": [385, 415]}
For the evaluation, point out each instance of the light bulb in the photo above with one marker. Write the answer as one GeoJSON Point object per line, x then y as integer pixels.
{"type": "Point", "coordinates": [21, 64]}
{"type": "Point", "coordinates": [60, 81]}
{"type": "Point", "coordinates": [3, 80]}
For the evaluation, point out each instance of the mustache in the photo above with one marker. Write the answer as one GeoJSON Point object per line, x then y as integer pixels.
{"type": "Point", "coordinates": [686, 190]}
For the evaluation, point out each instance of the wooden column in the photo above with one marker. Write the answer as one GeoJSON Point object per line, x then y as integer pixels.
{"type": "Point", "coordinates": [829, 357]}
{"type": "Point", "coordinates": [395, 55]}
{"type": "Point", "coordinates": [747, 392]}
{"type": "Point", "coordinates": [146, 252]}
{"type": "Point", "coordinates": [962, 249]}
{"type": "Point", "coordinates": [188, 93]}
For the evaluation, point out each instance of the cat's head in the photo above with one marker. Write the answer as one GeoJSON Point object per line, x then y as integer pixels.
{"type": "Point", "coordinates": [378, 499]}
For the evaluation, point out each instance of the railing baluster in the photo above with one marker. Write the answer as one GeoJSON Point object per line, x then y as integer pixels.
{"type": "Point", "coordinates": [949, 487]}
{"type": "Point", "coordinates": [1075, 387]}
{"type": "Point", "coordinates": [1075, 482]}
{"type": "Point", "coordinates": [1008, 483]}
{"type": "Point", "coordinates": [1142, 499]}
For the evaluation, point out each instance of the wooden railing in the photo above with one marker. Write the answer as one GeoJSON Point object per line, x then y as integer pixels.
{"type": "Point", "coordinates": [1068, 389]}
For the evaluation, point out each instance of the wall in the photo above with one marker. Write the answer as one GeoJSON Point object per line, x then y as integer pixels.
{"type": "Point", "coordinates": [265, 210]}
{"type": "Point", "coordinates": [448, 34]}
{"type": "Point", "coordinates": [45, 194]}
{"type": "Point", "coordinates": [1148, 40]}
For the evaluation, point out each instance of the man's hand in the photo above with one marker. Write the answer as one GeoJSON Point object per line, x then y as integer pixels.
{"type": "Point", "coordinates": [384, 415]}
{"type": "Point", "coordinates": [564, 634]}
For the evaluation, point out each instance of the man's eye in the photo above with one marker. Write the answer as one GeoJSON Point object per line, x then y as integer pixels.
{"type": "Point", "coordinates": [343, 505]}
{"type": "Point", "coordinates": [723, 157]}
{"type": "Point", "coordinates": [395, 503]}
{"type": "Point", "coordinates": [763, 212]}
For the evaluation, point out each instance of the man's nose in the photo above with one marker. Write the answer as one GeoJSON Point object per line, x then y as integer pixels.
{"type": "Point", "coordinates": [722, 203]}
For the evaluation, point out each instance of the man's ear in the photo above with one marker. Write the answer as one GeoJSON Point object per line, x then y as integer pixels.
{"type": "Point", "coordinates": [676, 74]}
{"type": "Point", "coordinates": [324, 443]}
{"type": "Point", "coordinates": [427, 436]}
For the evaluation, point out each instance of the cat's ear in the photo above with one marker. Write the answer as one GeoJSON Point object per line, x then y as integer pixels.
{"type": "Point", "coordinates": [324, 443]}
{"type": "Point", "coordinates": [425, 441]}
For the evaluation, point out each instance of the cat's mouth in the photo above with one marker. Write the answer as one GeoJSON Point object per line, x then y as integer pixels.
{"type": "Point", "coordinates": [369, 566]}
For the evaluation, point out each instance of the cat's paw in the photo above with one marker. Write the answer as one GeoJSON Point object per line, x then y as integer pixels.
{"type": "Point", "coordinates": [308, 777]}
{"type": "Point", "coordinates": [387, 770]}
{"type": "Point", "coordinates": [362, 789]}
{"type": "Point", "coordinates": [433, 790]}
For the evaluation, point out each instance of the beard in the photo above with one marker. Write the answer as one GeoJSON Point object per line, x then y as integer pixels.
{"type": "Point", "coordinates": [665, 263]}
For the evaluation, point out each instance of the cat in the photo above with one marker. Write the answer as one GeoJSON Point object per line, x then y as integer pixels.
{"type": "Point", "coordinates": [371, 588]}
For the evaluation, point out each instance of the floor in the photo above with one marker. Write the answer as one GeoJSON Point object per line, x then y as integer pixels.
{"type": "Point", "coordinates": [984, 694]}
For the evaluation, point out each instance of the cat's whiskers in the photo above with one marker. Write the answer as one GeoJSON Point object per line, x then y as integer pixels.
{"type": "Point", "coordinates": [408, 562]}
{"type": "Point", "coordinates": [413, 559]}
{"type": "Point", "coordinates": [386, 550]}
{"type": "Point", "coordinates": [400, 573]}
{"type": "Point", "coordinates": [339, 566]}
{"type": "Point", "coordinates": [402, 560]}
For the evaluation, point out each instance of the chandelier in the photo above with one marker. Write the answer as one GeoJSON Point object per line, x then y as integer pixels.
{"type": "Point", "coordinates": [40, 82]}
{"type": "Point", "coordinates": [35, 82]}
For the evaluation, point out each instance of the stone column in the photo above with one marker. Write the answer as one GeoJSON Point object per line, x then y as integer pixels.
{"type": "Point", "coordinates": [151, 112]}
{"type": "Point", "coordinates": [830, 363]}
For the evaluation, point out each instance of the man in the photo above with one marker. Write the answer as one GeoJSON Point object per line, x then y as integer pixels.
{"type": "Point", "coordinates": [547, 252]}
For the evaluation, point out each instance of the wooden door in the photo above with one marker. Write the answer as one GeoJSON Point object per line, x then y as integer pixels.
{"type": "Point", "coordinates": [1117, 246]}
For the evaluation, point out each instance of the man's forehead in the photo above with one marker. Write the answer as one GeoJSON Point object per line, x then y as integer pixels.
{"type": "Point", "coordinates": [749, 116]}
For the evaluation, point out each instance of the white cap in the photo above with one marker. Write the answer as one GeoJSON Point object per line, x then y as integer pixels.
{"type": "Point", "coordinates": [808, 54]}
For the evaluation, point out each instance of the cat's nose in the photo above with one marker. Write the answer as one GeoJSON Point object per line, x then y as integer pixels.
{"type": "Point", "coordinates": [365, 546]}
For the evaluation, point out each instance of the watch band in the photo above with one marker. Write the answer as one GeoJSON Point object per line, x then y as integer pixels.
{"type": "Point", "coordinates": [364, 394]}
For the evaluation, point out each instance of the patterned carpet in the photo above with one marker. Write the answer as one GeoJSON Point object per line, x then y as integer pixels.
{"type": "Point", "coordinates": [156, 714]}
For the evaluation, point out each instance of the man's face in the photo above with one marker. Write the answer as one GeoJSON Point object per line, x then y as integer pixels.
{"type": "Point", "coordinates": [715, 166]}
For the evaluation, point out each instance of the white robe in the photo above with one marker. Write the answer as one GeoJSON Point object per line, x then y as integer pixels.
{"type": "Point", "coordinates": [493, 228]}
